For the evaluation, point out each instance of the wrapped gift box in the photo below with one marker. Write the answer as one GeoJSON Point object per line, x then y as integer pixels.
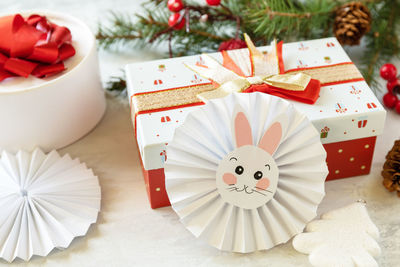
{"type": "Point", "coordinates": [347, 113]}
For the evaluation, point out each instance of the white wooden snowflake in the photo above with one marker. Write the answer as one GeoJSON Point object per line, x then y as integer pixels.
{"type": "Point", "coordinates": [344, 237]}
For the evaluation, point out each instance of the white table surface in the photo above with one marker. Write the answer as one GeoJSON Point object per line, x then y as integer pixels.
{"type": "Point", "coordinates": [129, 233]}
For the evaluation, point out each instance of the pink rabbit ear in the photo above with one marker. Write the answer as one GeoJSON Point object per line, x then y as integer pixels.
{"type": "Point", "coordinates": [242, 130]}
{"type": "Point", "coordinates": [271, 139]}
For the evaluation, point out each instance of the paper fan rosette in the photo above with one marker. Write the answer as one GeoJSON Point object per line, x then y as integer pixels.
{"type": "Point", "coordinates": [246, 172]}
{"type": "Point", "coordinates": [45, 202]}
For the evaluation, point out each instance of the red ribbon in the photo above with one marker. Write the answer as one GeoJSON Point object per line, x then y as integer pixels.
{"type": "Point", "coordinates": [309, 95]}
{"type": "Point", "coordinates": [32, 46]}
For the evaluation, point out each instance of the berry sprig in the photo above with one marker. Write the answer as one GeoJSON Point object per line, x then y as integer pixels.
{"type": "Point", "coordinates": [390, 99]}
{"type": "Point", "coordinates": [177, 20]}
{"type": "Point", "coordinates": [175, 5]}
{"type": "Point", "coordinates": [180, 18]}
{"type": "Point", "coordinates": [213, 2]}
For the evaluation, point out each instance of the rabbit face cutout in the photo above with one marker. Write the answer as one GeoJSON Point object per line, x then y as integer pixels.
{"type": "Point", "coordinates": [247, 177]}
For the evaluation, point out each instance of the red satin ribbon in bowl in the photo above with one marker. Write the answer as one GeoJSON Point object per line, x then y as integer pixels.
{"type": "Point", "coordinates": [32, 46]}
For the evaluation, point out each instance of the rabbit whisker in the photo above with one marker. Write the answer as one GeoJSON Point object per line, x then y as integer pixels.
{"type": "Point", "coordinates": [259, 192]}
{"type": "Point", "coordinates": [263, 189]}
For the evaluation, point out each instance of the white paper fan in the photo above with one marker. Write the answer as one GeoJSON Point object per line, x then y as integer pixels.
{"type": "Point", "coordinates": [45, 202]}
{"type": "Point", "coordinates": [239, 196]}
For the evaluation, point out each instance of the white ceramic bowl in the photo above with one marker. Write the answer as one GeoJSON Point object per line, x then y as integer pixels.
{"type": "Point", "coordinates": [54, 112]}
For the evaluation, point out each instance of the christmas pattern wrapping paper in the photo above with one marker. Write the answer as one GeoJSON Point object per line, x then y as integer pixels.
{"type": "Point", "coordinates": [347, 114]}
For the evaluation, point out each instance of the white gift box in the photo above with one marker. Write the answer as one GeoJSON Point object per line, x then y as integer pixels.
{"type": "Point", "coordinates": [56, 111]}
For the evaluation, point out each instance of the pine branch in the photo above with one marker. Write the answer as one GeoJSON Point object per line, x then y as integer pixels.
{"type": "Point", "coordinates": [271, 14]}
{"type": "Point", "coordinates": [117, 83]}
{"type": "Point", "coordinates": [371, 66]}
{"type": "Point", "coordinates": [382, 42]}
{"type": "Point", "coordinates": [167, 29]}
{"type": "Point", "coordinates": [291, 20]}
{"type": "Point", "coordinates": [152, 28]}
{"type": "Point", "coordinates": [263, 20]}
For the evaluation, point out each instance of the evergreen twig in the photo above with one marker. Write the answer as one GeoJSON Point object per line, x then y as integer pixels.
{"type": "Point", "coordinates": [263, 20]}
{"type": "Point", "coordinates": [116, 83]}
{"type": "Point", "coordinates": [382, 42]}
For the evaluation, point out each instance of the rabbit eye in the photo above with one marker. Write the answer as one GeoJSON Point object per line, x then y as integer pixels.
{"type": "Point", "coordinates": [258, 175]}
{"type": "Point", "coordinates": [239, 170]}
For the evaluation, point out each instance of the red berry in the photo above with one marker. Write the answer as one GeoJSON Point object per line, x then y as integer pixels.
{"type": "Point", "coordinates": [175, 5]}
{"type": "Point", "coordinates": [390, 100]}
{"type": "Point", "coordinates": [173, 21]}
{"type": "Point", "coordinates": [388, 72]}
{"type": "Point", "coordinates": [232, 44]}
{"type": "Point", "coordinates": [393, 86]}
{"type": "Point", "coordinates": [213, 2]}
{"type": "Point", "coordinates": [397, 108]}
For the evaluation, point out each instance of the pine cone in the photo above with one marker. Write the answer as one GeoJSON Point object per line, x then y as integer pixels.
{"type": "Point", "coordinates": [391, 169]}
{"type": "Point", "coordinates": [352, 21]}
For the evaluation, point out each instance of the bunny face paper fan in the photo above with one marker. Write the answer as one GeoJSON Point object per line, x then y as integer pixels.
{"type": "Point", "coordinates": [246, 172]}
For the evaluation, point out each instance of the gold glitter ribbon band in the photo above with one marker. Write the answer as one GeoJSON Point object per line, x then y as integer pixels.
{"type": "Point", "coordinates": [187, 96]}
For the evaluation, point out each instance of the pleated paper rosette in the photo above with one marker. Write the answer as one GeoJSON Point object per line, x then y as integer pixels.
{"type": "Point", "coordinates": [45, 202]}
{"type": "Point", "coordinates": [246, 172]}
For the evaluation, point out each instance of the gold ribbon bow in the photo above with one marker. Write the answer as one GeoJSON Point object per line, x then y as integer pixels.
{"type": "Point", "coordinates": [264, 69]}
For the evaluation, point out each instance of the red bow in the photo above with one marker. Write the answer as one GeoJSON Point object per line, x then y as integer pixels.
{"type": "Point", "coordinates": [32, 46]}
{"type": "Point", "coordinates": [309, 95]}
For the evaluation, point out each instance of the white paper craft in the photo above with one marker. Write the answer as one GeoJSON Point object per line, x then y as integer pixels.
{"type": "Point", "coordinates": [344, 237]}
{"type": "Point", "coordinates": [45, 202]}
{"type": "Point", "coordinates": [238, 196]}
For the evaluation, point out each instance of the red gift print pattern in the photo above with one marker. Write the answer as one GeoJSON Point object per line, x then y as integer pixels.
{"type": "Point", "coordinates": [327, 60]}
{"type": "Point", "coordinates": [330, 44]}
{"type": "Point", "coordinates": [165, 119]}
{"type": "Point", "coordinates": [362, 122]}
{"type": "Point", "coordinates": [161, 67]}
{"type": "Point", "coordinates": [354, 90]}
{"type": "Point", "coordinates": [158, 82]}
{"type": "Point", "coordinates": [340, 108]}
{"type": "Point", "coordinates": [324, 132]}
{"type": "Point", "coordinates": [371, 105]}
{"type": "Point", "coordinates": [302, 47]}
{"type": "Point", "coordinates": [163, 155]}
